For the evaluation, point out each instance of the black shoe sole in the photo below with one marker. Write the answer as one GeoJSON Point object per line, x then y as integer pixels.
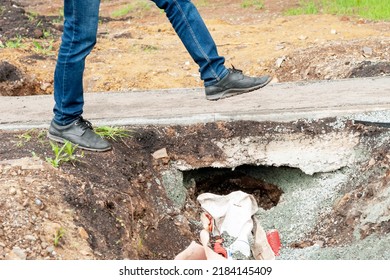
{"type": "Point", "coordinates": [233, 91]}
{"type": "Point", "coordinates": [63, 140]}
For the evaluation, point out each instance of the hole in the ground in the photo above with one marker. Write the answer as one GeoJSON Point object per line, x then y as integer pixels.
{"type": "Point", "coordinates": [223, 181]}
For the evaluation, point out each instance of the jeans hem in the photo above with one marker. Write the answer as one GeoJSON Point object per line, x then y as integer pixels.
{"type": "Point", "coordinates": [220, 77]}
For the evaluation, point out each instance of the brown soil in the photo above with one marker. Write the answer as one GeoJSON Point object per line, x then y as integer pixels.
{"type": "Point", "coordinates": [112, 205]}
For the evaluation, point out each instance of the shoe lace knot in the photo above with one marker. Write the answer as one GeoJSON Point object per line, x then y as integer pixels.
{"type": "Point", "coordinates": [84, 124]}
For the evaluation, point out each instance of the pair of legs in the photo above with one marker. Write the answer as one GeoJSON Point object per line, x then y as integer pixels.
{"type": "Point", "coordinates": [79, 38]}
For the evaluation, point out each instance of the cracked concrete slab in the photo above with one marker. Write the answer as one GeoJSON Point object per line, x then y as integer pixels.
{"type": "Point", "coordinates": [276, 102]}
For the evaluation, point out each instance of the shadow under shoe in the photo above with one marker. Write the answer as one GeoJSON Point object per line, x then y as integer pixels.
{"type": "Point", "coordinates": [79, 132]}
{"type": "Point", "coordinates": [235, 83]}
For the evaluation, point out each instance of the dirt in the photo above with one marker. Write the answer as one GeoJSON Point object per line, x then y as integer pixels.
{"type": "Point", "coordinates": [113, 205]}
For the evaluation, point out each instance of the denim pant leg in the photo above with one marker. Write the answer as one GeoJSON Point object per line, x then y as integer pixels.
{"type": "Point", "coordinates": [191, 29]}
{"type": "Point", "coordinates": [78, 39]}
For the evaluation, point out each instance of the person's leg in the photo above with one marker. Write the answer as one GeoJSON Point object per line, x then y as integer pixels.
{"type": "Point", "coordinates": [78, 40]}
{"type": "Point", "coordinates": [219, 81]}
{"type": "Point", "coordinates": [191, 29]}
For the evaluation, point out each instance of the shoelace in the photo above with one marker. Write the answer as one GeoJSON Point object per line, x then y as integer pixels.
{"type": "Point", "coordinates": [234, 69]}
{"type": "Point", "coordinates": [84, 124]}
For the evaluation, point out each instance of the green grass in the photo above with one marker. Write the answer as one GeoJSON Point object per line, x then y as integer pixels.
{"type": "Point", "coordinates": [13, 44]}
{"type": "Point", "coordinates": [257, 4]}
{"type": "Point", "coordinates": [45, 48]}
{"type": "Point", "coordinates": [112, 133]}
{"type": "Point", "coordinates": [32, 16]}
{"type": "Point", "coordinates": [30, 134]}
{"type": "Point", "coordinates": [122, 11]}
{"type": "Point", "coordinates": [58, 236]}
{"type": "Point", "coordinates": [60, 17]}
{"type": "Point", "coordinates": [47, 34]}
{"type": "Point", "coordinates": [140, 5]}
{"type": "Point", "coordinates": [24, 138]}
{"type": "Point", "coordinates": [369, 9]}
{"type": "Point", "coordinates": [305, 8]}
{"type": "Point", "coordinates": [65, 153]}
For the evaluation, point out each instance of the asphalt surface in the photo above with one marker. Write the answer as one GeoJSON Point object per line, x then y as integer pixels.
{"type": "Point", "coordinates": [276, 102]}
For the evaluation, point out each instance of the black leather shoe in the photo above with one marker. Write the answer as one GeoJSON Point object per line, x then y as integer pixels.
{"type": "Point", "coordinates": [235, 83]}
{"type": "Point", "coordinates": [79, 132]}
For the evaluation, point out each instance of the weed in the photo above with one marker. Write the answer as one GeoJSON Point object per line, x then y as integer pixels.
{"type": "Point", "coordinates": [60, 17]}
{"type": "Point", "coordinates": [39, 23]}
{"type": "Point", "coordinates": [47, 34]}
{"type": "Point", "coordinates": [122, 11]}
{"type": "Point", "coordinates": [42, 134]}
{"type": "Point", "coordinates": [24, 138]}
{"type": "Point", "coordinates": [45, 49]}
{"type": "Point", "coordinates": [32, 16]}
{"type": "Point", "coordinates": [112, 132]}
{"type": "Point", "coordinates": [30, 134]}
{"type": "Point", "coordinates": [13, 44]}
{"type": "Point", "coordinates": [257, 4]}
{"type": "Point", "coordinates": [66, 153]}
{"type": "Point", "coordinates": [140, 5]}
{"type": "Point", "coordinates": [57, 237]}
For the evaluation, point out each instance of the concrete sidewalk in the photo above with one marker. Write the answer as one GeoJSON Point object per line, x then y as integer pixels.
{"type": "Point", "coordinates": [276, 102]}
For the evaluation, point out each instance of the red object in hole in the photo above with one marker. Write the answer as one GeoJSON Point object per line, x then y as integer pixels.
{"type": "Point", "coordinates": [274, 241]}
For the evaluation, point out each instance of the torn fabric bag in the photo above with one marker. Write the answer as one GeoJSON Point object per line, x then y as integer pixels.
{"type": "Point", "coordinates": [230, 229]}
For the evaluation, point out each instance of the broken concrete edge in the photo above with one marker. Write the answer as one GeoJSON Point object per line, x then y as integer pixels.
{"type": "Point", "coordinates": [280, 102]}
{"type": "Point", "coordinates": [306, 198]}
{"type": "Point", "coordinates": [216, 117]}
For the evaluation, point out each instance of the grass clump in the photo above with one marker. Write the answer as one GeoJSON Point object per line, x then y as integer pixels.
{"type": "Point", "coordinates": [369, 9]}
{"type": "Point", "coordinates": [30, 134]}
{"type": "Point", "coordinates": [140, 5]}
{"type": "Point", "coordinates": [58, 236]}
{"type": "Point", "coordinates": [24, 138]}
{"type": "Point", "coordinates": [257, 4]}
{"type": "Point", "coordinates": [45, 48]}
{"type": "Point", "coordinates": [65, 153]}
{"type": "Point", "coordinates": [305, 8]}
{"type": "Point", "coordinates": [13, 44]}
{"type": "Point", "coordinates": [112, 133]}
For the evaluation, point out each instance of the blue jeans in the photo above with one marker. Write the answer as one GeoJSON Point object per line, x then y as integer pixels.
{"type": "Point", "coordinates": [79, 38]}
